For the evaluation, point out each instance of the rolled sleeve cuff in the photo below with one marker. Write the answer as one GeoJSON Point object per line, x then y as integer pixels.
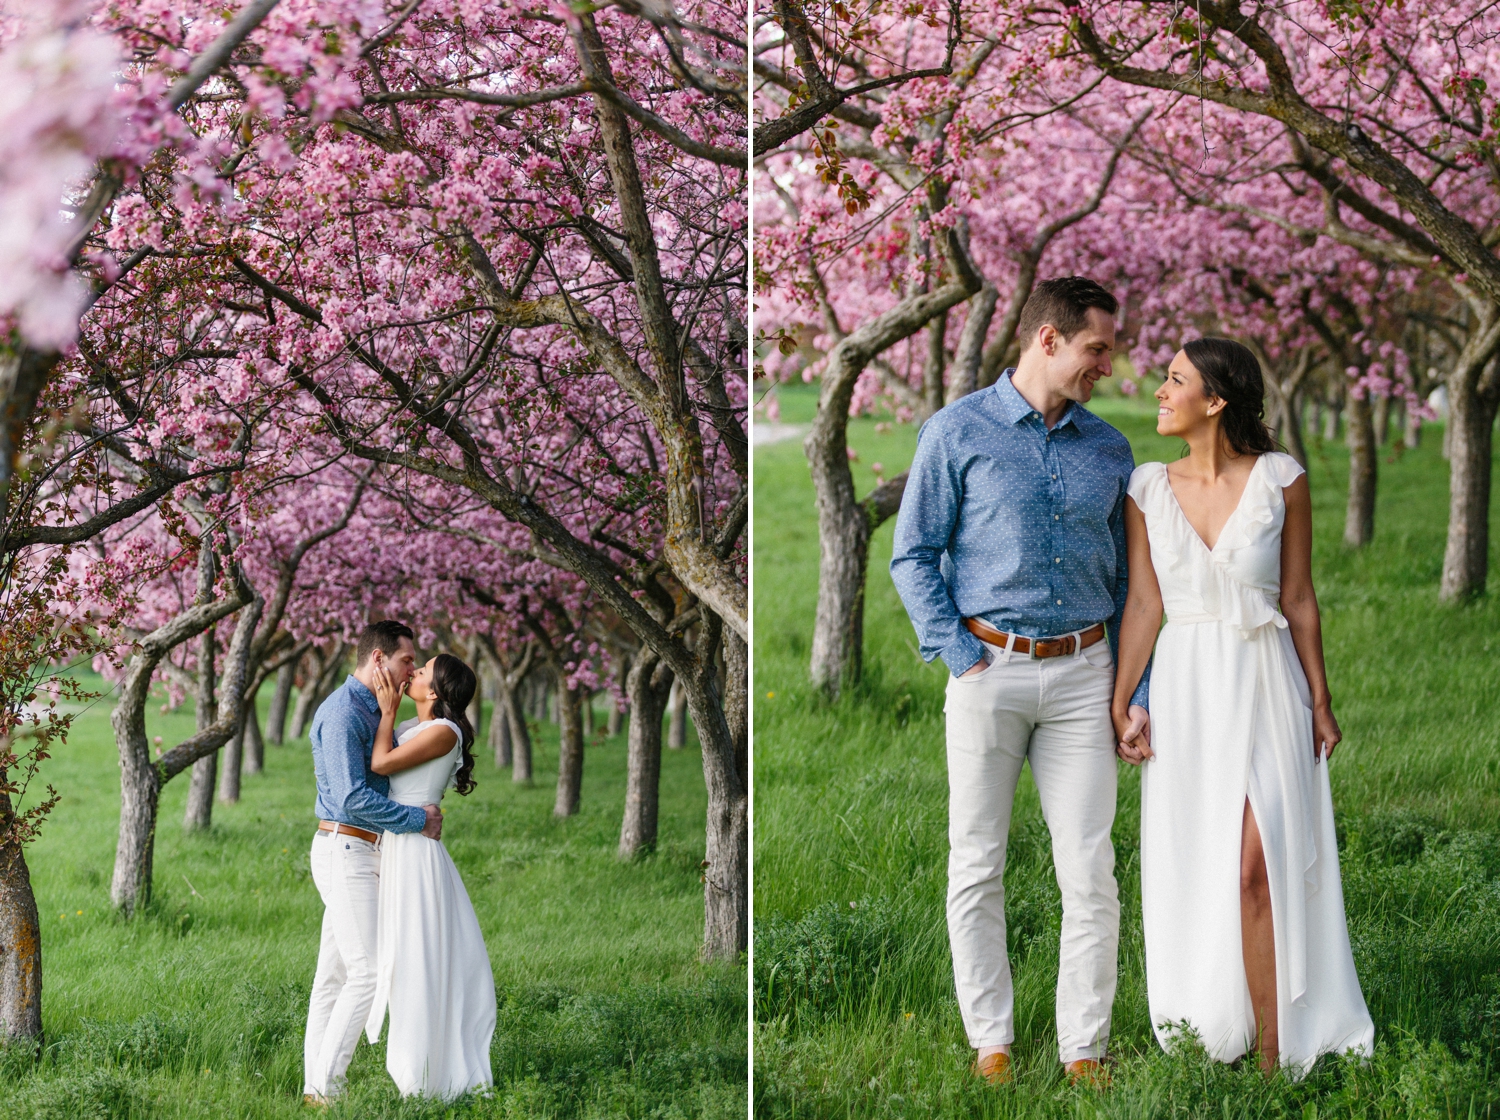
{"type": "Point", "coordinates": [963, 654]}
{"type": "Point", "coordinates": [416, 819]}
{"type": "Point", "coordinates": [1142, 695]}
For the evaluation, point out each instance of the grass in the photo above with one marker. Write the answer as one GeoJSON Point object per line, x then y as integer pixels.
{"type": "Point", "coordinates": [196, 1008]}
{"type": "Point", "coordinates": [854, 1008]}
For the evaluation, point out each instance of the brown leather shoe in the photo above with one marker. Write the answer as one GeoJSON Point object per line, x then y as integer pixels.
{"type": "Point", "coordinates": [312, 1100]}
{"type": "Point", "coordinates": [1087, 1071]}
{"type": "Point", "coordinates": [994, 1068]}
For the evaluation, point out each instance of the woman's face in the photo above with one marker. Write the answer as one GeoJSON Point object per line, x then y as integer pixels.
{"type": "Point", "coordinates": [420, 689]}
{"type": "Point", "coordinates": [1184, 404]}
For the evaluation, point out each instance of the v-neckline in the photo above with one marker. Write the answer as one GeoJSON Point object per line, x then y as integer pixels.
{"type": "Point", "coordinates": [1210, 549]}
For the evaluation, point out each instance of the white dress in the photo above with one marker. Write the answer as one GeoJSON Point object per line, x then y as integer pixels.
{"type": "Point", "coordinates": [433, 970]}
{"type": "Point", "coordinates": [1231, 717]}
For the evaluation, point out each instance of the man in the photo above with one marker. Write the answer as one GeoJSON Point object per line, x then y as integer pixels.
{"type": "Point", "coordinates": [353, 809]}
{"type": "Point", "coordinates": [1010, 560]}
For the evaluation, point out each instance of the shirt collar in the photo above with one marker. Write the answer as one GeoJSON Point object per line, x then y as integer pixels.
{"type": "Point", "coordinates": [1015, 407]}
{"type": "Point", "coordinates": [361, 693]}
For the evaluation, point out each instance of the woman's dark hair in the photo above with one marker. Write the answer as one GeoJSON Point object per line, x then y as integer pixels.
{"type": "Point", "coordinates": [1232, 373]}
{"type": "Point", "coordinates": [454, 684]}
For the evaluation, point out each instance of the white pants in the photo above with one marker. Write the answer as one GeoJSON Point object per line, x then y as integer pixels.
{"type": "Point", "coordinates": [1056, 714]}
{"type": "Point", "coordinates": [346, 871]}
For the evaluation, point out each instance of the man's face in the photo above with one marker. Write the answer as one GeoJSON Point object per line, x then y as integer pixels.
{"type": "Point", "coordinates": [1075, 364]}
{"type": "Point", "coordinates": [400, 664]}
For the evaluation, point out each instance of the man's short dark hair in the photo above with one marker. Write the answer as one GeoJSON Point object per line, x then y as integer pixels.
{"type": "Point", "coordinates": [1064, 304]}
{"type": "Point", "coordinates": [385, 636]}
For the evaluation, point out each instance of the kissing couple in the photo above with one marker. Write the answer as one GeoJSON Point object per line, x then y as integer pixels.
{"type": "Point", "coordinates": [399, 931]}
{"type": "Point", "coordinates": [1026, 537]}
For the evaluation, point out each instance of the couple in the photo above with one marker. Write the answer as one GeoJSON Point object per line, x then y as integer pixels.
{"type": "Point", "coordinates": [1026, 537]}
{"type": "Point", "coordinates": [399, 932]}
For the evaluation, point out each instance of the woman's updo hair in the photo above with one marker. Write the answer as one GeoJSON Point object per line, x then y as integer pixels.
{"type": "Point", "coordinates": [453, 682]}
{"type": "Point", "coordinates": [1232, 373]}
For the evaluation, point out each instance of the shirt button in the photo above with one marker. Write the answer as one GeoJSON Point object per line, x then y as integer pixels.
{"type": "Point", "coordinates": [1059, 602]}
{"type": "Point", "coordinates": [1054, 478]}
{"type": "Point", "coordinates": [1057, 559]}
{"type": "Point", "coordinates": [1057, 517]}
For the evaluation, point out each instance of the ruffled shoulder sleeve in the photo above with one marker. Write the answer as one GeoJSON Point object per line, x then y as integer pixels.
{"type": "Point", "coordinates": [1145, 482]}
{"type": "Point", "coordinates": [1281, 469]}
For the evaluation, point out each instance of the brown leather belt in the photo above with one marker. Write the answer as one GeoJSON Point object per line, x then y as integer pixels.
{"type": "Point", "coordinates": [1036, 648]}
{"type": "Point", "coordinates": [348, 830]}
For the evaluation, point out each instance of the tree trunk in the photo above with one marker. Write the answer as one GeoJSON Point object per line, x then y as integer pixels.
{"type": "Point", "coordinates": [255, 747]}
{"type": "Point", "coordinates": [569, 750]}
{"type": "Point", "coordinates": [723, 733]}
{"type": "Point", "coordinates": [969, 354]}
{"type": "Point", "coordinates": [307, 699]}
{"type": "Point", "coordinates": [1380, 420]}
{"type": "Point", "coordinates": [1413, 437]}
{"type": "Point", "coordinates": [20, 939]}
{"type": "Point", "coordinates": [499, 723]}
{"type": "Point", "coordinates": [1359, 519]}
{"type": "Point", "coordinates": [843, 546]}
{"type": "Point", "coordinates": [476, 704]}
{"type": "Point", "coordinates": [1292, 434]}
{"type": "Point", "coordinates": [520, 738]}
{"type": "Point", "coordinates": [844, 524]}
{"type": "Point", "coordinates": [648, 686]}
{"type": "Point", "coordinates": [318, 689]}
{"type": "Point", "coordinates": [1470, 438]}
{"type": "Point", "coordinates": [677, 722]}
{"type": "Point", "coordinates": [234, 761]}
{"type": "Point", "coordinates": [615, 720]}
{"type": "Point", "coordinates": [280, 699]}
{"type": "Point", "coordinates": [932, 369]}
{"type": "Point", "coordinates": [587, 709]}
{"type": "Point", "coordinates": [200, 800]}
{"type": "Point", "coordinates": [140, 795]}
{"type": "Point", "coordinates": [1331, 420]}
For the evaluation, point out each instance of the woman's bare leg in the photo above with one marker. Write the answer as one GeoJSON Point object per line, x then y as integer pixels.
{"type": "Point", "coordinates": [1258, 939]}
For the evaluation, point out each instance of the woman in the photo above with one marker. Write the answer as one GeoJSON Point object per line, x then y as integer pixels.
{"type": "Point", "coordinates": [434, 972]}
{"type": "Point", "coordinates": [1246, 942]}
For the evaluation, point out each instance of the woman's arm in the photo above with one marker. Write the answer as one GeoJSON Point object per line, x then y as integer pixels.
{"type": "Point", "coordinates": [1299, 603]}
{"type": "Point", "coordinates": [1138, 627]}
{"type": "Point", "coordinates": [434, 742]}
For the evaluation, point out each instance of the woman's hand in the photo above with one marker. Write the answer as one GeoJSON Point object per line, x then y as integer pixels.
{"type": "Point", "coordinates": [387, 694]}
{"type": "Point", "coordinates": [1326, 733]}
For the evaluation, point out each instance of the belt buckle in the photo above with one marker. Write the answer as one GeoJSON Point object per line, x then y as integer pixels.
{"type": "Point", "coordinates": [1036, 643]}
{"type": "Point", "coordinates": [1033, 644]}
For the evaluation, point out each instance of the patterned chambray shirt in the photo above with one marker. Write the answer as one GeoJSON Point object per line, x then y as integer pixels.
{"type": "Point", "coordinates": [1007, 522]}
{"type": "Point", "coordinates": [343, 740]}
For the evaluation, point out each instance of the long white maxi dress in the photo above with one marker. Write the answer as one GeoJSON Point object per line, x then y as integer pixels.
{"type": "Point", "coordinates": [1231, 717]}
{"type": "Point", "coordinates": [433, 969]}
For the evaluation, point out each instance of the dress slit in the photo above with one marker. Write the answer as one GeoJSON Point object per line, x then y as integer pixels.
{"type": "Point", "coordinates": [1277, 934]}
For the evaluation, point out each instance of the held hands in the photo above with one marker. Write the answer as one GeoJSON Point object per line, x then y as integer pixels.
{"type": "Point", "coordinates": [1326, 733]}
{"type": "Point", "coordinates": [387, 693]}
{"type": "Point", "coordinates": [433, 829]}
{"type": "Point", "coordinates": [1133, 730]}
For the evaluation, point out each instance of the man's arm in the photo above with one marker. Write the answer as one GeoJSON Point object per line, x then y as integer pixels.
{"type": "Point", "coordinates": [342, 765]}
{"type": "Point", "coordinates": [924, 526]}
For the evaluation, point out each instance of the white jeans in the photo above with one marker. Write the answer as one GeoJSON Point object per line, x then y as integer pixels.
{"type": "Point", "coordinates": [346, 871]}
{"type": "Point", "coordinates": [1056, 714]}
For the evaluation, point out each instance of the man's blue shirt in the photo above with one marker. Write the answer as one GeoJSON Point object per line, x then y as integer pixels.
{"type": "Point", "coordinates": [343, 740]}
{"type": "Point", "coordinates": [1007, 522]}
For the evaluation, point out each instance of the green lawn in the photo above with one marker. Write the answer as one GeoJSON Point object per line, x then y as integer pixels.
{"type": "Point", "coordinates": [854, 1006]}
{"type": "Point", "coordinates": [196, 1008]}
